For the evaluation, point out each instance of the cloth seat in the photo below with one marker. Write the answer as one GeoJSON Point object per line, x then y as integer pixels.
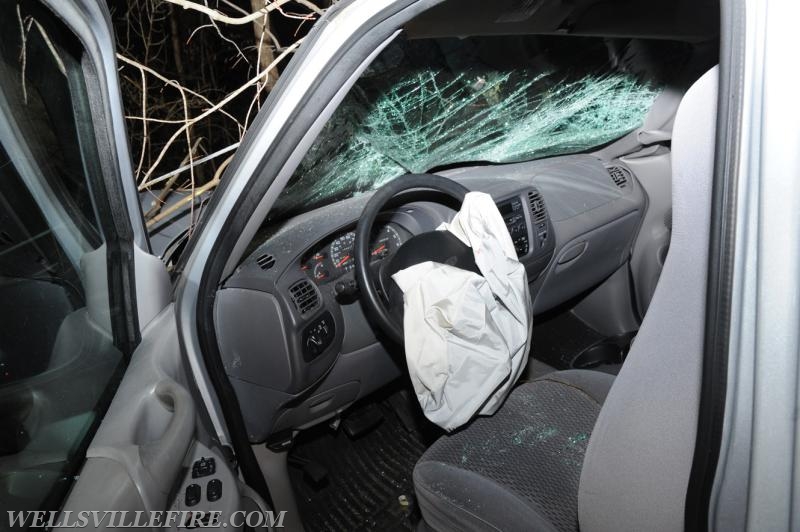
{"type": "Point", "coordinates": [519, 469]}
{"type": "Point", "coordinates": [529, 468]}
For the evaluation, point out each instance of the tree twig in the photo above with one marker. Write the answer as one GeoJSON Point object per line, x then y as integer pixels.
{"type": "Point", "coordinates": [169, 175]}
{"type": "Point", "coordinates": [178, 205]}
{"type": "Point", "coordinates": [144, 124]}
{"type": "Point", "coordinates": [173, 83]}
{"type": "Point", "coordinates": [162, 196]}
{"type": "Point", "coordinates": [246, 19]}
{"type": "Point", "coordinates": [148, 183]}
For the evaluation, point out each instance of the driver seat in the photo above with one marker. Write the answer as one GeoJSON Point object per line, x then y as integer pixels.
{"type": "Point", "coordinates": [534, 466]}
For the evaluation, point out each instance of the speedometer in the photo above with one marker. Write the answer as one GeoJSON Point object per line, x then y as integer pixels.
{"type": "Point", "coordinates": [384, 242]}
{"type": "Point", "coordinates": [341, 252]}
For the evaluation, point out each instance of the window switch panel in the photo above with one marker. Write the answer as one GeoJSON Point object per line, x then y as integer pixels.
{"type": "Point", "coordinates": [204, 467]}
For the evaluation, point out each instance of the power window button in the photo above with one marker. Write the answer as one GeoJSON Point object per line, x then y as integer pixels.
{"type": "Point", "coordinates": [214, 490]}
{"type": "Point", "coordinates": [193, 494]}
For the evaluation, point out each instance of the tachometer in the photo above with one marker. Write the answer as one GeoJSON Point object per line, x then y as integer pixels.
{"type": "Point", "coordinates": [341, 252]}
{"type": "Point", "coordinates": [385, 243]}
{"type": "Point", "coordinates": [320, 272]}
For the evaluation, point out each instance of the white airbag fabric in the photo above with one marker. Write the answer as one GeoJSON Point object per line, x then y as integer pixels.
{"type": "Point", "coordinates": [467, 336]}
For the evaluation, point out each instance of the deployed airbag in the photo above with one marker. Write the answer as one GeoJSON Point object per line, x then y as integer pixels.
{"type": "Point", "coordinates": [467, 336]}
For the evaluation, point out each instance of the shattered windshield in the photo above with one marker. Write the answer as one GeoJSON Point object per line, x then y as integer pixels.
{"type": "Point", "coordinates": [427, 104]}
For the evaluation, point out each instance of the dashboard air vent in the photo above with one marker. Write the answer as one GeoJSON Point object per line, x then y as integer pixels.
{"type": "Point", "coordinates": [618, 175]}
{"type": "Point", "coordinates": [304, 296]}
{"type": "Point", "coordinates": [265, 261]}
{"type": "Point", "coordinates": [538, 209]}
{"type": "Point", "coordinates": [539, 215]}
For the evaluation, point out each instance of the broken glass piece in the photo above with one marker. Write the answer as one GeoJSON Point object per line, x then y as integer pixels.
{"type": "Point", "coordinates": [412, 120]}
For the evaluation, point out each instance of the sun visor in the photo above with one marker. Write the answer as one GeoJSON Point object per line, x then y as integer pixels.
{"type": "Point", "coordinates": [467, 336]}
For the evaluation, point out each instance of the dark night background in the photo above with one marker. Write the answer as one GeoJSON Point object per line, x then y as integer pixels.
{"type": "Point", "coordinates": [182, 45]}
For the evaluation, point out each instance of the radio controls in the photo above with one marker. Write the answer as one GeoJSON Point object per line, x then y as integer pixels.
{"type": "Point", "coordinates": [512, 213]}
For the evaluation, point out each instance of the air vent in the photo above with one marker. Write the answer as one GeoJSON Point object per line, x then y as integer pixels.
{"type": "Point", "coordinates": [618, 175]}
{"type": "Point", "coordinates": [304, 296]}
{"type": "Point", "coordinates": [538, 209]}
{"type": "Point", "coordinates": [265, 261]}
{"type": "Point", "coordinates": [539, 215]}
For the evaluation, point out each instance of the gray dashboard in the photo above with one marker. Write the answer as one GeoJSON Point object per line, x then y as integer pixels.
{"type": "Point", "coordinates": [299, 350]}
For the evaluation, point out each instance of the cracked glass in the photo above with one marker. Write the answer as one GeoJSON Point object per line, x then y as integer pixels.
{"type": "Point", "coordinates": [435, 103]}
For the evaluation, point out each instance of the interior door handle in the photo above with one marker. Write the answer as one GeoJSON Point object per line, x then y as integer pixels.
{"type": "Point", "coordinates": [162, 458]}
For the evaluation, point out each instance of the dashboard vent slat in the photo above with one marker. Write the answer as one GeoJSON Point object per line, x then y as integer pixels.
{"type": "Point", "coordinates": [538, 208]}
{"type": "Point", "coordinates": [618, 175]}
{"type": "Point", "coordinates": [539, 216]}
{"type": "Point", "coordinates": [265, 261]}
{"type": "Point", "coordinates": [304, 296]}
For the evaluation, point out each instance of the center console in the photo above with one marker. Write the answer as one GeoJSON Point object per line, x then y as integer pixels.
{"type": "Point", "coordinates": [529, 225]}
{"type": "Point", "coordinates": [514, 217]}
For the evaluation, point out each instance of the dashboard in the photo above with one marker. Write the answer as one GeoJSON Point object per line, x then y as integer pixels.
{"type": "Point", "coordinates": [296, 343]}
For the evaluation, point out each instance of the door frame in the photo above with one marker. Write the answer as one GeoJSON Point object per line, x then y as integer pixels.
{"type": "Point", "coordinates": [121, 228]}
{"type": "Point", "coordinates": [757, 480]}
{"type": "Point", "coordinates": [91, 24]}
{"type": "Point", "coordinates": [721, 259]}
{"type": "Point", "coordinates": [340, 45]}
{"type": "Point", "coordinates": [122, 221]}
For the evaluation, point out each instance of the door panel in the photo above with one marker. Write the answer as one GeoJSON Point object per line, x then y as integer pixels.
{"type": "Point", "coordinates": [142, 456]}
{"type": "Point", "coordinates": [147, 431]}
{"type": "Point", "coordinates": [60, 358]}
{"type": "Point", "coordinates": [96, 411]}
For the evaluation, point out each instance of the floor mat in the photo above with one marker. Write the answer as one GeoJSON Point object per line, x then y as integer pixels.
{"type": "Point", "coordinates": [367, 476]}
{"type": "Point", "coordinates": [558, 340]}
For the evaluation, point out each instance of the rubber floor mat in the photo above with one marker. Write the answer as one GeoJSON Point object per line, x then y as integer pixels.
{"type": "Point", "coordinates": [367, 477]}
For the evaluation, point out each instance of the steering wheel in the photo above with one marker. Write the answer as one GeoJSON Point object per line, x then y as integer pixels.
{"type": "Point", "coordinates": [382, 298]}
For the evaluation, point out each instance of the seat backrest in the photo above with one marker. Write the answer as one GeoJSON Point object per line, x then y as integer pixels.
{"type": "Point", "coordinates": [637, 465]}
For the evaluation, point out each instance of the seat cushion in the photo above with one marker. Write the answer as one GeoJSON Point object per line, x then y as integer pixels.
{"type": "Point", "coordinates": [520, 468]}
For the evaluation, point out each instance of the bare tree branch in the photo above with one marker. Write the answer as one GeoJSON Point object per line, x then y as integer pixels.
{"type": "Point", "coordinates": [191, 94]}
{"type": "Point", "coordinates": [247, 19]}
{"type": "Point", "coordinates": [148, 183]}
{"type": "Point", "coordinates": [178, 205]}
{"type": "Point", "coordinates": [162, 196]}
{"type": "Point", "coordinates": [168, 176]}
{"type": "Point", "coordinates": [175, 84]}
{"type": "Point", "coordinates": [144, 124]}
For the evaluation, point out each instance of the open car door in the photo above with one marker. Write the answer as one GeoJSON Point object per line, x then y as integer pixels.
{"type": "Point", "coordinates": [96, 411]}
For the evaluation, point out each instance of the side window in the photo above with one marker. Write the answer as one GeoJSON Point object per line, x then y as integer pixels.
{"type": "Point", "coordinates": [59, 364]}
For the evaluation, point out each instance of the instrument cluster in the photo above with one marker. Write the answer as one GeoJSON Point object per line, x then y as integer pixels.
{"type": "Point", "coordinates": [335, 258]}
